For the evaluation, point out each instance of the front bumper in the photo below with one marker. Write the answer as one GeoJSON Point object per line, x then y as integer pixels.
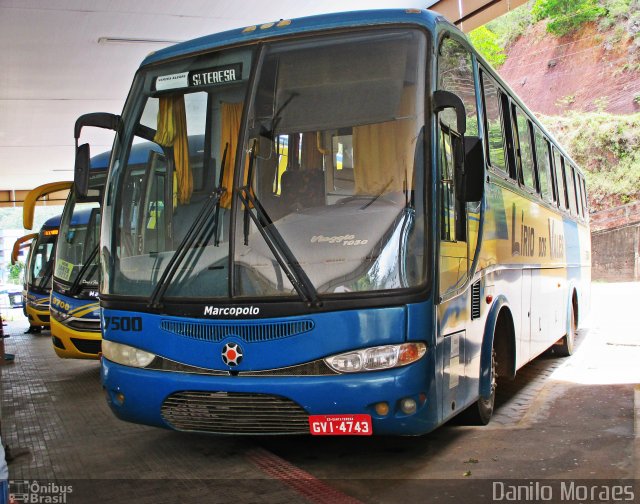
{"type": "Point", "coordinates": [71, 344]}
{"type": "Point", "coordinates": [144, 396]}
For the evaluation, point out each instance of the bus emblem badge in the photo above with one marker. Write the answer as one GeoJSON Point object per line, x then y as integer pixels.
{"type": "Point", "coordinates": [232, 354]}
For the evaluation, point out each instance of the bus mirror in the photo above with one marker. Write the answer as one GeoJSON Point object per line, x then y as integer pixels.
{"type": "Point", "coordinates": [98, 120]}
{"type": "Point", "coordinates": [81, 171]}
{"type": "Point", "coordinates": [444, 100]}
{"type": "Point", "coordinates": [473, 169]}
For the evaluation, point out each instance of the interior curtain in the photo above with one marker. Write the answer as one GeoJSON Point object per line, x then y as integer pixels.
{"type": "Point", "coordinates": [383, 152]}
{"type": "Point", "coordinates": [172, 132]}
{"type": "Point", "coordinates": [231, 117]}
{"type": "Point", "coordinates": [311, 156]}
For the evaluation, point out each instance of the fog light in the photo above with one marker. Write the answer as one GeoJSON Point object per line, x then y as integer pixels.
{"type": "Point", "coordinates": [408, 406]}
{"type": "Point", "coordinates": [382, 408]}
{"type": "Point", "coordinates": [120, 398]}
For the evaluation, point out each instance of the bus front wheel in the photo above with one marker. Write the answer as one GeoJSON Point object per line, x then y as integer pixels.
{"type": "Point", "coordinates": [481, 411]}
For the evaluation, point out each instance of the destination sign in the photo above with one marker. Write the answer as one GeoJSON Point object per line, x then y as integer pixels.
{"type": "Point", "coordinates": [196, 78]}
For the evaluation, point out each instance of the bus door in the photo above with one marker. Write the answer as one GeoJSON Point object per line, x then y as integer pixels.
{"type": "Point", "coordinates": [459, 334]}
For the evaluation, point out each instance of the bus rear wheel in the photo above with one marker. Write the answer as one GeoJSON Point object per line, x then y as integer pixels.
{"type": "Point", "coordinates": [565, 347]}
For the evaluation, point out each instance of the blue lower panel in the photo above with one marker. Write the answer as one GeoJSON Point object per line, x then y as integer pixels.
{"type": "Point", "coordinates": [145, 391]}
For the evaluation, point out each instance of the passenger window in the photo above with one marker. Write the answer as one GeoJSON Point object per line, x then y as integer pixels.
{"type": "Point", "coordinates": [576, 180]}
{"type": "Point", "coordinates": [459, 232]}
{"type": "Point", "coordinates": [525, 151]}
{"type": "Point", "coordinates": [571, 190]}
{"type": "Point", "coordinates": [562, 198]}
{"type": "Point", "coordinates": [543, 165]}
{"type": "Point", "coordinates": [455, 74]}
{"type": "Point", "coordinates": [493, 126]}
{"type": "Point", "coordinates": [343, 179]}
{"type": "Point", "coordinates": [585, 199]}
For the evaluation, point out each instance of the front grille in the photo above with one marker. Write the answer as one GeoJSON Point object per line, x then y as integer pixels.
{"type": "Point", "coordinates": [44, 318]}
{"type": "Point", "coordinates": [84, 325]}
{"type": "Point", "coordinates": [87, 346]}
{"type": "Point", "coordinates": [234, 413]}
{"type": "Point", "coordinates": [251, 333]}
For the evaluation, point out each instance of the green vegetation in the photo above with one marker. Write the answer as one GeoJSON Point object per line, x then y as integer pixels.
{"type": "Point", "coordinates": [607, 147]}
{"type": "Point", "coordinates": [15, 272]}
{"type": "Point", "coordinates": [486, 42]}
{"type": "Point", "coordinates": [619, 17]}
{"type": "Point", "coordinates": [510, 26]}
{"type": "Point", "coordinates": [566, 16]}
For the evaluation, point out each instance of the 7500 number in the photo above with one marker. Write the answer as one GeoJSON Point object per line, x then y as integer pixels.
{"type": "Point", "coordinates": [126, 324]}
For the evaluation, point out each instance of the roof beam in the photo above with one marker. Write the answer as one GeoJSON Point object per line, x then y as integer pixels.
{"type": "Point", "coordinates": [469, 14]}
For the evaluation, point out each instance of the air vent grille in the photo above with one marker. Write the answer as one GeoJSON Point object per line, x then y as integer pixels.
{"type": "Point", "coordinates": [251, 333]}
{"type": "Point", "coordinates": [475, 300]}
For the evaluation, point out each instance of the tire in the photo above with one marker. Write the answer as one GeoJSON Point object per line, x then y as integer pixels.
{"type": "Point", "coordinates": [566, 345]}
{"type": "Point", "coordinates": [481, 411]}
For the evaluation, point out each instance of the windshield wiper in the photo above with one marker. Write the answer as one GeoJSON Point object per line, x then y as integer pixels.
{"type": "Point", "coordinates": [216, 239]}
{"type": "Point", "coordinates": [283, 254]}
{"type": "Point", "coordinates": [202, 219]}
{"type": "Point", "coordinates": [73, 290]}
{"type": "Point", "coordinates": [42, 284]}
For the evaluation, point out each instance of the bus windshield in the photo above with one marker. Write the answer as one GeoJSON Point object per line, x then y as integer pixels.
{"type": "Point", "coordinates": [77, 248]}
{"type": "Point", "coordinates": [305, 180]}
{"type": "Point", "coordinates": [41, 261]}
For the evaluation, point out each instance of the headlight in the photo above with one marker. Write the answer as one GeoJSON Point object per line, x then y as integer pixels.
{"type": "Point", "coordinates": [376, 358]}
{"type": "Point", "coordinates": [58, 315]}
{"type": "Point", "coordinates": [126, 355]}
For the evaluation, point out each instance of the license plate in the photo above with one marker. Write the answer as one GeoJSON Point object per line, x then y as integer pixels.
{"type": "Point", "coordinates": [340, 425]}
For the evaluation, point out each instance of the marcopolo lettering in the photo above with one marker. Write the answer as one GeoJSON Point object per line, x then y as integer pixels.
{"type": "Point", "coordinates": [233, 311]}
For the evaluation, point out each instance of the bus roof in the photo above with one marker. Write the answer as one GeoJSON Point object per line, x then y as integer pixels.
{"type": "Point", "coordinates": [52, 222]}
{"type": "Point", "coordinates": [81, 216]}
{"type": "Point", "coordinates": [100, 161]}
{"type": "Point", "coordinates": [300, 25]}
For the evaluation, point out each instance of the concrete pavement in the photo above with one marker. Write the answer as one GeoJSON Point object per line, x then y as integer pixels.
{"type": "Point", "coordinates": [560, 421]}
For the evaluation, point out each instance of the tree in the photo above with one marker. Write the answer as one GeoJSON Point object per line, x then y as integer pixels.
{"type": "Point", "coordinates": [486, 42]}
{"type": "Point", "coordinates": [566, 16]}
{"type": "Point", "coordinates": [15, 272]}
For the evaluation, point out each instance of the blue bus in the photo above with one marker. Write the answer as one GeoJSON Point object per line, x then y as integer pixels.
{"type": "Point", "coordinates": [427, 235]}
{"type": "Point", "coordinates": [75, 308]}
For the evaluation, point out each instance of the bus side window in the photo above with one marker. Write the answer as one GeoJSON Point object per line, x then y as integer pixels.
{"type": "Point", "coordinates": [523, 149]}
{"type": "Point", "coordinates": [584, 197]}
{"type": "Point", "coordinates": [458, 236]}
{"type": "Point", "coordinates": [562, 198]}
{"type": "Point", "coordinates": [509, 135]}
{"type": "Point", "coordinates": [571, 190]}
{"type": "Point", "coordinates": [543, 166]}
{"type": "Point", "coordinates": [493, 123]}
{"type": "Point", "coordinates": [576, 183]}
{"type": "Point", "coordinates": [455, 74]}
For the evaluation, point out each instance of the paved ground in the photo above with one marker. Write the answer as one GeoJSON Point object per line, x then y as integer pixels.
{"type": "Point", "coordinates": [561, 421]}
